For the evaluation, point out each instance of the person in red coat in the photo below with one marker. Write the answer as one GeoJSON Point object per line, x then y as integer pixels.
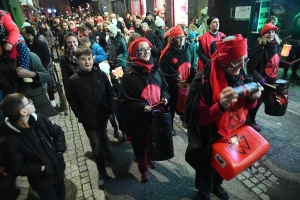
{"type": "Point", "coordinates": [214, 110]}
{"type": "Point", "coordinates": [207, 46]}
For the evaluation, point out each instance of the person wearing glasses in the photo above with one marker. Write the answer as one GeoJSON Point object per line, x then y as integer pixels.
{"type": "Point", "coordinates": [33, 146]}
{"type": "Point", "coordinates": [207, 42]}
{"type": "Point", "coordinates": [213, 111]}
{"type": "Point", "coordinates": [178, 63]}
{"type": "Point", "coordinates": [142, 87]}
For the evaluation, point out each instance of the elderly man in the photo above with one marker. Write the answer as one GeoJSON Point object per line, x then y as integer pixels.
{"type": "Point", "coordinates": [213, 111]}
{"type": "Point", "coordinates": [138, 27]}
{"type": "Point", "coordinates": [149, 18]}
{"type": "Point", "coordinates": [207, 41]}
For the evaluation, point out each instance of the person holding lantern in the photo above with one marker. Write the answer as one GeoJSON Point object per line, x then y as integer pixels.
{"type": "Point", "coordinates": [264, 62]}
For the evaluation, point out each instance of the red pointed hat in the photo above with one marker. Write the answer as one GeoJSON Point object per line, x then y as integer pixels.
{"type": "Point", "coordinates": [231, 50]}
{"type": "Point", "coordinates": [268, 27]}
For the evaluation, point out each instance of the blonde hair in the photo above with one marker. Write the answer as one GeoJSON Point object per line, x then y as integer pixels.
{"type": "Point", "coordinates": [262, 40]}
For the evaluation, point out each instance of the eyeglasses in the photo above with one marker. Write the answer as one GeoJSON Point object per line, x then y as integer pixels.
{"type": "Point", "coordinates": [144, 50]}
{"type": "Point", "coordinates": [237, 64]}
{"type": "Point", "coordinates": [29, 102]}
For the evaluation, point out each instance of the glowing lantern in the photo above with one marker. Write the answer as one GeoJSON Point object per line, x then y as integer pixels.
{"type": "Point", "coordinates": [286, 50]}
{"type": "Point", "coordinates": [118, 72]}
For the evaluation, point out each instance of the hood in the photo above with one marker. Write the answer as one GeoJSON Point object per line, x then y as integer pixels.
{"type": "Point", "coordinates": [17, 129]}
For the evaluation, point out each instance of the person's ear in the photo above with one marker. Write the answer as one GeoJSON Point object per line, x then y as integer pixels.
{"type": "Point", "coordinates": [23, 112]}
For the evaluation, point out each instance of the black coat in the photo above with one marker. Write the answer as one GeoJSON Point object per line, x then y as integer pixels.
{"type": "Point", "coordinates": [90, 96]}
{"type": "Point", "coordinates": [40, 48]}
{"type": "Point", "coordinates": [25, 150]}
{"type": "Point", "coordinates": [131, 116]}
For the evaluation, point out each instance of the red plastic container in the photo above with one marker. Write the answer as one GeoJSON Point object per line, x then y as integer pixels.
{"type": "Point", "coordinates": [246, 147]}
{"type": "Point", "coordinates": [182, 94]}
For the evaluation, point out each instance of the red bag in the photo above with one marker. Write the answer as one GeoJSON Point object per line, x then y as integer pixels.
{"type": "Point", "coordinates": [246, 147]}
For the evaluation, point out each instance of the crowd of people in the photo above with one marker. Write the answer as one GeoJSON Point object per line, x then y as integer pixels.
{"type": "Point", "coordinates": [154, 60]}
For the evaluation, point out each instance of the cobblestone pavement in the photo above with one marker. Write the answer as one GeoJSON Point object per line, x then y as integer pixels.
{"type": "Point", "coordinates": [275, 176]}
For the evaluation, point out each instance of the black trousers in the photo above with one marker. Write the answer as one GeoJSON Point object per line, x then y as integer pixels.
{"type": "Point", "coordinates": [99, 144]}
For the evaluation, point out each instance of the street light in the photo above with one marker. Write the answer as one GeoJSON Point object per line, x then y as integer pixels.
{"type": "Point", "coordinates": [49, 10]}
{"type": "Point", "coordinates": [54, 10]}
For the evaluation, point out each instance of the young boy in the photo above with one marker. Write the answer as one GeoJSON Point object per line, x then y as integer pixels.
{"type": "Point", "coordinates": [32, 146]}
{"type": "Point", "coordinates": [90, 96]}
{"type": "Point", "coordinates": [99, 54]}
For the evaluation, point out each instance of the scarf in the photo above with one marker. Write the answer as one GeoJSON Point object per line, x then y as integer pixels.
{"type": "Point", "coordinates": [71, 56]}
{"type": "Point", "coordinates": [146, 65]}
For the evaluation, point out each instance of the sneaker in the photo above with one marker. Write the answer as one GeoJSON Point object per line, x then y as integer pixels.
{"type": "Point", "coordinates": [89, 155]}
{"type": "Point", "coordinates": [203, 196]}
{"type": "Point", "coordinates": [255, 126]}
{"type": "Point", "coordinates": [174, 132]}
{"type": "Point", "coordinates": [220, 193]}
{"type": "Point", "coordinates": [102, 181]}
{"type": "Point", "coordinates": [145, 176]}
{"type": "Point", "coordinates": [109, 156]}
{"type": "Point", "coordinates": [152, 164]}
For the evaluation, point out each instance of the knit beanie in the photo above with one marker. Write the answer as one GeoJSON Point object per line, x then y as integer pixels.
{"type": "Point", "coordinates": [159, 22]}
{"type": "Point", "coordinates": [148, 13]}
{"type": "Point", "coordinates": [112, 28]}
{"type": "Point", "coordinates": [191, 35]}
{"type": "Point", "coordinates": [204, 11]}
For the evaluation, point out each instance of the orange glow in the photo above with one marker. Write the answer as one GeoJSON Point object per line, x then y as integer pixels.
{"type": "Point", "coordinates": [286, 50]}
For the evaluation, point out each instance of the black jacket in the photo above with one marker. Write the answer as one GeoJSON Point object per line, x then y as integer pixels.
{"type": "Point", "coordinates": [40, 48]}
{"type": "Point", "coordinates": [25, 150]}
{"type": "Point", "coordinates": [90, 96]}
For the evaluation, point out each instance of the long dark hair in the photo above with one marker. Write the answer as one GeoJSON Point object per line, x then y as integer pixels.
{"type": "Point", "coordinates": [42, 31]}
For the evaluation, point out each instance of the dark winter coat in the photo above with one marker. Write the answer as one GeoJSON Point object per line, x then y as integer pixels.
{"type": "Point", "coordinates": [11, 83]}
{"type": "Point", "coordinates": [90, 96]}
{"type": "Point", "coordinates": [40, 48]}
{"type": "Point", "coordinates": [135, 82]}
{"type": "Point", "coordinates": [67, 70]}
{"type": "Point", "coordinates": [25, 150]}
{"type": "Point", "coordinates": [173, 59]}
{"type": "Point", "coordinates": [117, 50]}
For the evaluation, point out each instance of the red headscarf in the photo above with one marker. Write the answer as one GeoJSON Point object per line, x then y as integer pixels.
{"type": "Point", "coordinates": [267, 27]}
{"type": "Point", "coordinates": [227, 52]}
{"type": "Point", "coordinates": [174, 32]}
{"type": "Point", "coordinates": [132, 52]}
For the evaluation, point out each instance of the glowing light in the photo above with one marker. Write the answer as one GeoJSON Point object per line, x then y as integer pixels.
{"type": "Point", "coordinates": [286, 50]}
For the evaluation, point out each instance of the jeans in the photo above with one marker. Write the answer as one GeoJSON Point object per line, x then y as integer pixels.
{"type": "Point", "coordinates": [54, 192]}
{"type": "Point", "coordinates": [99, 144]}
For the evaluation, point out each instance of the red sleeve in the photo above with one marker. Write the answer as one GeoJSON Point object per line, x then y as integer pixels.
{"type": "Point", "coordinates": [11, 28]}
{"type": "Point", "coordinates": [208, 114]}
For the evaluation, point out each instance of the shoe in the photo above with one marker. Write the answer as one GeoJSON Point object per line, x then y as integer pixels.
{"type": "Point", "coordinates": [145, 176]}
{"type": "Point", "coordinates": [152, 164]}
{"type": "Point", "coordinates": [57, 108]}
{"type": "Point", "coordinates": [174, 132]}
{"type": "Point", "coordinates": [89, 155]}
{"type": "Point", "coordinates": [116, 133]}
{"type": "Point", "coordinates": [102, 181]}
{"type": "Point", "coordinates": [255, 126]}
{"type": "Point", "coordinates": [203, 196]}
{"type": "Point", "coordinates": [109, 156]}
{"type": "Point", "coordinates": [220, 193]}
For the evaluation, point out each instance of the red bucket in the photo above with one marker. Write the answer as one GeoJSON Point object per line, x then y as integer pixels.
{"type": "Point", "coordinates": [182, 94]}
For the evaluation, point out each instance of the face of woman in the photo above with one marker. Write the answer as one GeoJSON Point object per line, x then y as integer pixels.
{"type": "Point", "coordinates": [65, 26]}
{"type": "Point", "coordinates": [72, 43]}
{"type": "Point", "coordinates": [269, 35]}
{"type": "Point", "coordinates": [144, 51]}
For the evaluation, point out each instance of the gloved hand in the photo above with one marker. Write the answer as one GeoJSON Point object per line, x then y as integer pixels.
{"type": "Point", "coordinates": [262, 81]}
